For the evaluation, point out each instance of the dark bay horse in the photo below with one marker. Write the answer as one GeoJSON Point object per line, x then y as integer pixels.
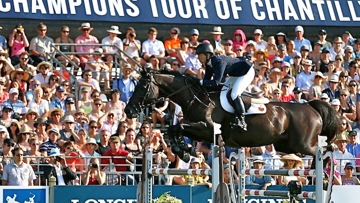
{"type": "Point", "coordinates": [291, 127]}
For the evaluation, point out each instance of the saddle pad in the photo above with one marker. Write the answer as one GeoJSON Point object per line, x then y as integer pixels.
{"type": "Point", "coordinates": [257, 105]}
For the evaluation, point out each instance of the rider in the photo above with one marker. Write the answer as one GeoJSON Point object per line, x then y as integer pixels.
{"type": "Point", "coordinates": [218, 67]}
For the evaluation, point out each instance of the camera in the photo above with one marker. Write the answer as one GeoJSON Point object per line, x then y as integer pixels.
{"type": "Point", "coordinates": [58, 158]}
{"type": "Point", "coordinates": [18, 31]}
{"type": "Point", "coordinates": [94, 165]}
{"type": "Point", "coordinates": [73, 150]}
{"type": "Point", "coordinates": [132, 35]}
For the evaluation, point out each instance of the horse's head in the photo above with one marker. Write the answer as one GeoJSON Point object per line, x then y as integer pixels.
{"type": "Point", "coordinates": [146, 93]}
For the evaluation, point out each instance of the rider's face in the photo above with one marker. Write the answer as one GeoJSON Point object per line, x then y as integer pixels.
{"type": "Point", "coordinates": [202, 58]}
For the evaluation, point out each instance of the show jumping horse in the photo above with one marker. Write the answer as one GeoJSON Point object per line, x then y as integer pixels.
{"type": "Point", "coordinates": [291, 127]}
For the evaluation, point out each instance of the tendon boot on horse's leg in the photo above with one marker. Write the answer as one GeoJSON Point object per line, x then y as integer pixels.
{"type": "Point", "coordinates": [240, 117]}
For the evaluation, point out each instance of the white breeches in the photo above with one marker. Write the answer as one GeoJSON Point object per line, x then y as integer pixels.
{"type": "Point", "coordinates": [241, 83]}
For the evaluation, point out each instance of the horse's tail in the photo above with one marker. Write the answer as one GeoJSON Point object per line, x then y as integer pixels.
{"type": "Point", "coordinates": [331, 122]}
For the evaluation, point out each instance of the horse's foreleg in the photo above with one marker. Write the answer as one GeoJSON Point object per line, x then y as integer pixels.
{"type": "Point", "coordinates": [199, 131]}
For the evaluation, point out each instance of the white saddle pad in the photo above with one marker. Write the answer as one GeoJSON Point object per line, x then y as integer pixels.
{"type": "Point", "coordinates": [257, 105]}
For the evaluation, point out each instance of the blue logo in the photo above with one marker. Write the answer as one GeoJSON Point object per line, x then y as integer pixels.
{"type": "Point", "coordinates": [24, 195]}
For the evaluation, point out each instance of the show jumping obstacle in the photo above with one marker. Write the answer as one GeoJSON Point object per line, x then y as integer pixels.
{"type": "Point", "coordinates": [318, 173]}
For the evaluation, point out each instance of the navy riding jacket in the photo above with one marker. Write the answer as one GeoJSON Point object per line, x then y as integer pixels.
{"type": "Point", "coordinates": [220, 67]}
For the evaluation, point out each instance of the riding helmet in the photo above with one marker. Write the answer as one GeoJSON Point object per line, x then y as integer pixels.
{"type": "Point", "coordinates": [204, 48]}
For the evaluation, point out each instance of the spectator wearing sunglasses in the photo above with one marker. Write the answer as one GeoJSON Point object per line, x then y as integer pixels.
{"type": "Point", "coordinates": [25, 64]}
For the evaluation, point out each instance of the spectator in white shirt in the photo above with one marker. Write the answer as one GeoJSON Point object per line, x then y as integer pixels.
{"type": "Point", "coordinates": [259, 42]}
{"type": "Point", "coordinates": [341, 154]}
{"type": "Point", "coordinates": [304, 79]}
{"type": "Point", "coordinates": [336, 49]}
{"type": "Point", "coordinates": [116, 43]}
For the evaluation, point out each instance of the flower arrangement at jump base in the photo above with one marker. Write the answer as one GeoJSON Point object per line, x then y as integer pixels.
{"type": "Point", "coordinates": [167, 198]}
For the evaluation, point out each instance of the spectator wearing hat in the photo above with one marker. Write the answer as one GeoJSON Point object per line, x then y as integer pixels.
{"type": "Point", "coordinates": [5, 62]}
{"type": "Point", "coordinates": [341, 152]}
{"type": "Point", "coordinates": [298, 96]}
{"type": "Point", "coordinates": [55, 115]}
{"type": "Point", "coordinates": [152, 46]}
{"type": "Point", "coordinates": [250, 47]}
{"type": "Point", "coordinates": [259, 58]}
{"type": "Point", "coordinates": [85, 38]}
{"type": "Point", "coordinates": [40, 129]}
{"type": "Point", "coordinates": [304, 51]}
{"type": "Point", "coordinates": [300, 40]}
{"type": "Point", "coordinates": [64, 38]}
{"type": "Point", "coordinates": [281, 39]}
{"type": "Point", "coordinates": [59, 100]}
{"type": "Point", "coordinates": [322, 64]}
{"type": "Point", "coordinates": [90, 150]}
{"type": "Point", "coordinates": [285, 69]}
{"type": "Point", "coordinates": [18, 173]}
{"type": "Point", "coordinates": [58, 168]}
{"type": "Point", "coordinates": [31, 117]}
{"type": "Point", "coordinates": [336, 49]}
{"type": "Point", "coordinates": [99, 69]}
{"type": "Point", "coordinates": [18, 42]}
{"type": "Point", "coordinates": [228, 47]}
{"type": "Point", "coordinates": [263, 68]}
{"type": "Point", "coordinates": [25, 63]}
{"type": "Point", "coordinates": [263, 181]}
{"type": "Point", "coordinates": [335, 103]}
{"type": "Point", "coordinates": [259, 42]}
{"type": "Point", "coordinates": [184, 51]}
{"type": "Point", "coordinates": [172, 45]}
{"type": "Point", "coordinates": [276, 95]}
{"type": "Point", "coordinates": [332, 91]}
{"type": "Point", "coordinates": [125, 85]}
{"type": "Point", "coordinates": [194, 37]}
{"type": "Point", "coordinates": [316, 88]}
{"type": "Point", "coordinates": [23, 137]}
{"type": "Point", "coordinates": [322, 34]}
{"type": "Point", "coordinates": [123, 157]}
{"type": "Point", "coordinates": [13, 129]}
{"type": "Point", "coordinates": [22, 78]}
{"type": "Point", "coordinates": [291, 162]}
{"type": "Point", "coordinates": [353, 147]}
{"type": "Point", "coordinates": [6, 112]}
{"type": "Point", "coordinates": [88, 81]}
{"type": "Point", "coordinates": [41, 45]}
{"type": "Point", "coordinates": [304, 79]}
{"type": "Point", "coordinates": [239, 39]}
{"type": "Point", "coordinates": [3, 134]}
{"type": "Point", "coordinates": [14, 102]}
{"type": "Point", "coordinates": [41, 106]}
{"type": "Point", "coordinates": [216, 40]}
{"type": "Point", "coordinates": [349, 178]}
{"type": "Point", "coordinates": [45, 71]}
{"type": "Point", "coordinates": [68, 132]}
{"type": "Point", "coordinates": [51, 143]}
{"type": "Point", "coordinates": [112, 39]}
{"type": "Point", "coordinates": [286, 95]}
{"type": "Point", "coordinates": [276, 63]}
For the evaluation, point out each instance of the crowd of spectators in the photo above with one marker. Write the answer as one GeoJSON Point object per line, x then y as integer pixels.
{"type": "Point", "coordinates": [86, 139]}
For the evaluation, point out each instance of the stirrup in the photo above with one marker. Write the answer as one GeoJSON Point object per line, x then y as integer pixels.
{"type": "Point", "coordinates": [239, 123]}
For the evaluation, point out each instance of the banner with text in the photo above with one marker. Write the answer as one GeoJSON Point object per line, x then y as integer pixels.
{"type": "Point", "coordinates": [230, 12]}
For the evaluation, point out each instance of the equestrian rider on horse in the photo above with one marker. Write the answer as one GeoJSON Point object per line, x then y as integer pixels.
{"type": "Point", "coordinates": [219, 67]}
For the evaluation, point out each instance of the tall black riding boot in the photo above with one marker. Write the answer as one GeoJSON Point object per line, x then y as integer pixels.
{"type": "Point", "coordinates": [239, 110]}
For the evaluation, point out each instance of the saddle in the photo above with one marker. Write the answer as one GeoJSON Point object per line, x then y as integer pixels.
{"type": "Point", "coordinates": [254, 102]}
